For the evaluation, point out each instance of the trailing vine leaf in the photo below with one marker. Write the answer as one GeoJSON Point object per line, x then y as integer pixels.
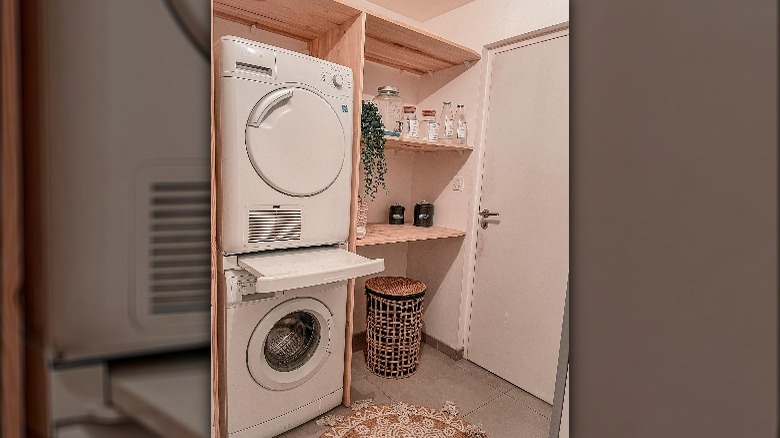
{"type": "Point", "coordinates": [372, 154]}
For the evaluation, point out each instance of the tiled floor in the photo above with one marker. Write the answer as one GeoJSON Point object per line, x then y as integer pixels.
{"type": "Point", "coordinates": [503, 409]}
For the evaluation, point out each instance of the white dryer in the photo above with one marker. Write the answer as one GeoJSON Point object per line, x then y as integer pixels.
{"type": "Point", "coordinates": [285, 127]}
{"type": "Point", "coordinates": [286, 132]}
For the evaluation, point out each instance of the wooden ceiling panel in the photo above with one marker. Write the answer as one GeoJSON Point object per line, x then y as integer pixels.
{"type": "Point", "coordinates": [300, 19]}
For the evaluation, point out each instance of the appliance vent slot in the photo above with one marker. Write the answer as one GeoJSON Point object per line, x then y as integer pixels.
{"type": "Point", "coordinates": [179, 245]}
{"type": "Point", "coordinates": [254, 68]}
{"type": "Point", "coordinates": [274, 225]}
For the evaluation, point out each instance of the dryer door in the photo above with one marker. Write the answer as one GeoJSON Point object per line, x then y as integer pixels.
{"type": "Point", "coordinates": [290, 344]}
{"type": "Point", "coordinates": [296, 141]}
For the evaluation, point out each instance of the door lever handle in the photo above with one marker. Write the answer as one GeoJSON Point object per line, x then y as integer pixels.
{"type": "Point", "coordinates": [487, 213]}
{"type": "Point", "coordinates": [483, 218]}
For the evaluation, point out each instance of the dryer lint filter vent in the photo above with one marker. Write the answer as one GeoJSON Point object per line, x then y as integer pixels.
{"type": "Point", "coordinates": [177, 246]}
{"type": "Point", "coordinates": [274, 225]}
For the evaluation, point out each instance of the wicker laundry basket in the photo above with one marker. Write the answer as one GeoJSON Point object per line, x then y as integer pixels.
{"type": "Point", "coordinates": [394, 312]}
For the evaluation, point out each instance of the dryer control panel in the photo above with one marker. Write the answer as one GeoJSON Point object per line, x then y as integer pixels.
{"type": "Point", "coordinates": [242, 58]}
{"type": "Point", "coordinates": [333, 77]}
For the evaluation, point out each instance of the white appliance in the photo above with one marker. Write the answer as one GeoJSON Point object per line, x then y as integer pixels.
{"type": "Point", "coordinates": [286, 137]}
{"type": "Point", "coordinates": [286, 175]}
{"type": "Point", "coordinates": [285, 358]}
{"type": "Point", "coordinates": [125, 180]}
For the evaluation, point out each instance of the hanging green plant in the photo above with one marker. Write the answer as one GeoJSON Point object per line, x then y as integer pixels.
{"type": "Point", "coordinates": [372, 152]}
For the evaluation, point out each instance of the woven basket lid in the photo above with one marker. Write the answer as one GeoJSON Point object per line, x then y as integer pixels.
{"type": "Point", "coordinates": [395, 286]}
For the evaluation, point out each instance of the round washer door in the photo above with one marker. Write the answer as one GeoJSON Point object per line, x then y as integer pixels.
{"type": "Point", "coordinates": [290, 344]}
{"type": "Point", "coordinates": [295, 141]}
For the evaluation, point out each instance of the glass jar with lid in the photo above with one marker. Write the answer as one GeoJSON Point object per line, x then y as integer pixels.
{"type": "Point", "coordinates": [411, 124]}
{"type": "Point", "coordinates": [429, 127]}
{"type": "Point", "coordinates": [390, 106]}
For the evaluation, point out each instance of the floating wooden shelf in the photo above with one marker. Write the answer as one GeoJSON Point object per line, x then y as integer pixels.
{"type": "Point", "coordinates": [381, 234]}
{"type": "Point", "coordinates": [387, 42]}
{"type": "Point", "coordinates": [425, 146]}
{"type": "Point", "coordinates": [397, 45]}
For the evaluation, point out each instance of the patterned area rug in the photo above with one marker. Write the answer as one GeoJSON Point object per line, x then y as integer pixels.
{"type": "Point", "coordinates": [400, 420]}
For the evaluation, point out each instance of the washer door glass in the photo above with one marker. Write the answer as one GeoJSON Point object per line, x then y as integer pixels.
{"type": "Point", "coordinates": [290, 344]}
{"type": "Point", "coordinates": [295, 141]}
{"type": "Point", "coordinates": [292, 341]}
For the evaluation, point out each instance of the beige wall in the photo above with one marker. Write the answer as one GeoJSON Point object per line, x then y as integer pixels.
{"type": "Point", "coordinates": [485, 21]}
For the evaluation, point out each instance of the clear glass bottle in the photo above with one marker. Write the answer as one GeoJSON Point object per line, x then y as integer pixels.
{"type": "Point", "coordinates": [462, 130]}
{"type": "Point", "coordinates": [411, 124]}
{"type": "Point", "coordinates": [446, 122]}
{"type": "Point", "coordinates": [429, 127]}
{"type": "Point", "coordinates": [390, 106]}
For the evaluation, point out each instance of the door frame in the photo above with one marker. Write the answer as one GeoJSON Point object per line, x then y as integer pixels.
{"type": "Point", "coordinates": [489, 53]}
{"type": "Point", "coordinates": [12, 414]}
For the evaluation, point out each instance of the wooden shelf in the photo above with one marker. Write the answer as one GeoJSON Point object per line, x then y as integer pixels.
{"type": "Point", "coordinates": [424, 146]}
{"type": "Point", "coordinates": [382, 234]}
{"type": "Point", "coordinates": [300, 19]}
{"type": "Point", "coordinates": [387, 41]}
{"type": "Point", "coordinates": [397, 45]}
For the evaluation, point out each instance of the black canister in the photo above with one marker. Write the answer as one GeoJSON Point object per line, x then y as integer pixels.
{"type": "Point", "coordinates": [423, 214]}
{"type": "Point", "coordinates": [396, 214]}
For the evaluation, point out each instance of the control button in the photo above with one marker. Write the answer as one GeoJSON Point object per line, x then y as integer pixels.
{"type": "Point", "coordinates": [338, 80]}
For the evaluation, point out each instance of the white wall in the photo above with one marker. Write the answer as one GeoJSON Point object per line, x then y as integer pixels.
{"type": "Point", "coordinates": [474, 25]}
{"type": "Point", "coordinates": [563, 431]}
{"type": "Point", "coordinates": [396, 263]}
{"type": "Point", "coordinates": [486, 21]}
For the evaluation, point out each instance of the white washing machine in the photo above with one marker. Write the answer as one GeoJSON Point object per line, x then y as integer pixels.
{"type": "Point", "coordinates": [285, 357]}
{"type": "Point", "coordinates": [285, 128]}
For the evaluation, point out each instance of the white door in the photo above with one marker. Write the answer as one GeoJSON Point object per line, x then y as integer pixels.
{"type": "Point", "coordinates": [281, 148]}
{"type": "Point", "coordinates": [522, 257]}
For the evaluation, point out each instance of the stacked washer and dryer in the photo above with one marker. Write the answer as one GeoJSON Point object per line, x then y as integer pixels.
{"type": "Point", "coordinates": [285, 161]}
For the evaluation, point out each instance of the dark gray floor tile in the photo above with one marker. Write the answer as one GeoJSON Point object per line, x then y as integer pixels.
{"type": "Point", "coordinates": [505, 417]}
{"type": "Point", "coordinates": [531, 401]}
{"type": "Point", "coordinates": [359, 369]}
{"type": "Point", "coordinates": [503, 409]}
{"type": "Point", "coordinates": [437, 380]}
{"type": "Point", "coordinates": [361, 389]}
{"type": "Point", "coordinates": [485, 375]}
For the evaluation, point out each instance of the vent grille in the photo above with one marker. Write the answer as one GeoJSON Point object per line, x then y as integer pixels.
{"type": "Point", "coordinates": [179, 246]}
{"type": "Point", "coordinates": [274, 225]}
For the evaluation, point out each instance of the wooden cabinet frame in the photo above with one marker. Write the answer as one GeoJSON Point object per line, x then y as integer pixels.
{"type": "Point", "coordinates": [339, 33]}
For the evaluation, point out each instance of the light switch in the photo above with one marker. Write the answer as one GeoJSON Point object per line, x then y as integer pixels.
{"type": "Point", "coordinates": [457, 184]}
